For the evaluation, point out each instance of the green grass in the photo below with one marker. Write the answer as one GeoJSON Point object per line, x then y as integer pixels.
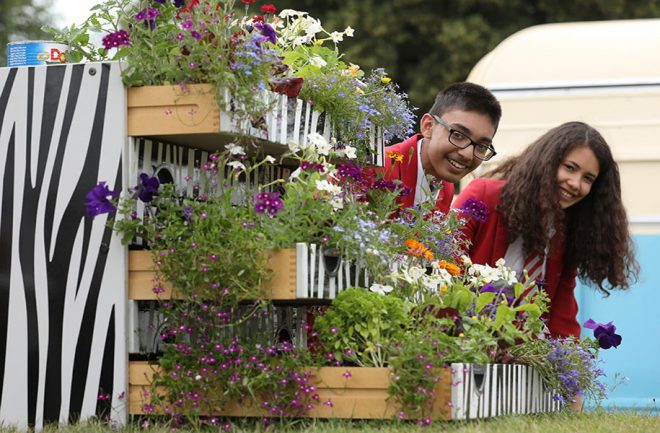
{"type": "Point", "coordinates": [563, 422]}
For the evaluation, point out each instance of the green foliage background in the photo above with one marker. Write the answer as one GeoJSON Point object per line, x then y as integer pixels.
{"type": "Point", "coordinates": [21, 20]}
{"type": "Point", "coordinates": [423, 44]}
{"type": "Point", "coordinates": [426, 44]}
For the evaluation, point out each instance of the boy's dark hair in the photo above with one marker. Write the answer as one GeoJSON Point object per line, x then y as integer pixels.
{"type": "Point", "coordinates": [467, 97]}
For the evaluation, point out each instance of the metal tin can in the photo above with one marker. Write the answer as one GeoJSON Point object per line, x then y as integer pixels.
{"type": "Point", "coordinates": [34, 53]}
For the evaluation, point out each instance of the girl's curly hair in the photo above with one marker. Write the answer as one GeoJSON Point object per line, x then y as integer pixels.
{"type": "Point", "coordinates": [598, 242]}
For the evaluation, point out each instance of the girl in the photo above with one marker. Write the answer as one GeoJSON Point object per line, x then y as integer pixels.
{"type": "Point", "coordinates": [556, 211]}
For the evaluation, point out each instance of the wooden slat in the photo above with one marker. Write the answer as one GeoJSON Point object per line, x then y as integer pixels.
{"type": "Point", "coordinates": [280, 287]}
{"type": "Point", "coordinates": [167, 110]}
{"type": "Point", "coordinates": [362, 396]}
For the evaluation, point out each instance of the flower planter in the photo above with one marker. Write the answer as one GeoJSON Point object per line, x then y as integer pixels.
{"type": "Point", "coordinates": [191, 117]}
{"type": "Point", "coordinates": [465, 391]}
{"type": "Point", "coordinates": [298, 273]}
{"type": "Point", "coordinates": [281, 286]}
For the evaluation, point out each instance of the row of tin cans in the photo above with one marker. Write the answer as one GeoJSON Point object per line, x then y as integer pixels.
{"type": "Point", "coordinates": [34, 53]}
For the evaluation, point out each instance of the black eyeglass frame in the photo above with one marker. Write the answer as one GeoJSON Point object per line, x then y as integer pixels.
{"type": "Point", "coordinates": [475, 145]}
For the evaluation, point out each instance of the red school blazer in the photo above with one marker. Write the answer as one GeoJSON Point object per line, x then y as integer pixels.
{"type": "Point", "coordinates": [406, 172]}
{"type": "Point", "coordinates": [489, 242]}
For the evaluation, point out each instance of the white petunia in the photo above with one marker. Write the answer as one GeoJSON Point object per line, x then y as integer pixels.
{"type": "Point", "coordinates": [300, 40]}
{"type": "Point", "coordinates": [291, 13]}
{"type": "Point", "coordinates": [381, 289]}
{"type": "Point", "coordinates": [324, 185]}
{"type": "Point", "coordinates": [336, 37]}
{"type": "Point", "coordinates": [350, 152]}
{"type": "Point", "coordinates": [320, 143]}
{"type": "Point", "coordinates": [416, 272]}
{"type": "Point", "coordinates": [317, 61]}
{"type": "Point", "coordinates": [235, 149]}
{"type": "Point", "coordinates": [431, 282]}
{"type": "Point", "coordinates": [293, 146]}
{"type": "Point", "coordinates": [312, 26]}
{"type": "Point", "coordinates": [295, 174]}
{"type": "Point", "coordinates": [236, 165]}
{"type": "Point", "coordinates": [336, 202]}
{"type": "Point", "coordinates": [487, 274]}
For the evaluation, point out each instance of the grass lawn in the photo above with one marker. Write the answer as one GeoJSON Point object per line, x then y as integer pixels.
{"type": "Point", "coordinates": [599, 421]}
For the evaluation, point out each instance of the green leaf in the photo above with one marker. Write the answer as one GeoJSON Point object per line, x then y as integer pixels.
{"type": "Point", "coordinates": [484, 299]}
{"type": "Point", "coordinates": [503, 315]}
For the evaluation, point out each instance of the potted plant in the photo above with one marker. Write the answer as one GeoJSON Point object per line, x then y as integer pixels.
{"type": "Point", "coordinates": [211, 67]}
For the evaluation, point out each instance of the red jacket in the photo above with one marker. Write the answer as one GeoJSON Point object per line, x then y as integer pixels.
{"type": "Point", "coordinates": [406, 172]}
{"type": "Point", "coordinates": [490, 242]}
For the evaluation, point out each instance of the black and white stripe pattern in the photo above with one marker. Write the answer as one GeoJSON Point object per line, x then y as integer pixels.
{"type": "Point", "coordinates": [498, 389]}
{"type": "Point", "coordinates": [62, 284]}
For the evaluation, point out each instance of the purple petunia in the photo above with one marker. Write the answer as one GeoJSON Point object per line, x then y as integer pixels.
{"type": "Point", "coordinates": [116, 39]}
{"type": "Point", "coordinates": [97, 200]}
{"type": "Point", "coordinates": [147, 187]}
{"type": "Point", "coordinates": [605, 334]}
{"type": "Point", "coordinates": [267, 202]}
{"type": "Point", "coordinates": [476, 209]}
{"type": "Point", "coordinates": [149, 16]}
{"type": "Point", "coordinates": [179, 3]}
{"type": "Point", "coordinates": [267, 31]}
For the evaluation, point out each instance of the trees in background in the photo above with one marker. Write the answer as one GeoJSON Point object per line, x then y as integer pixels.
{"type": "Point", "coordinates": [21, 20]}
{"type": "Point", "coordinates": [427, 44]}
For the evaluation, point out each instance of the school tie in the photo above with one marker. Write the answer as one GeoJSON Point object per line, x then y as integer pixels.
{"type": "Point", "coordinates": [534, 265]}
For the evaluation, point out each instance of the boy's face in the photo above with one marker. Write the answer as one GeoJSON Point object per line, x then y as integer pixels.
{"type": "Point", "coordinates": [442, 159]}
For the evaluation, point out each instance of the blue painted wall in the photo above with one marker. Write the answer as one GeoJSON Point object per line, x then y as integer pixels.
{"type": "Point", "coordinates": [636, 314]}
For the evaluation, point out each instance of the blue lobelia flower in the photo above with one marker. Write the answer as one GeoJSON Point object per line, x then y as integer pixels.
{"type": "Point", "coordinates": [605, 334]}
{"type": "Point", "coordinates": [97, 201]}
{"type": "Point", "coordinates": [147, 187]}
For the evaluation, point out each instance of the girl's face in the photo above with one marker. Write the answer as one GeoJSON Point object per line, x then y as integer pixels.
{"type": "Point", "coordinates": [576, 175]}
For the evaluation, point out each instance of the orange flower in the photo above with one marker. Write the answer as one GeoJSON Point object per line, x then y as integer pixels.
{"type": "Point", "coordinates": [453, 269]}
{"type": "Point", "coordinates": [394, 155]}
{"type": "Point", "coordinates": [450, 267]}
{"type": "Point", "coordinates": [417, 249]}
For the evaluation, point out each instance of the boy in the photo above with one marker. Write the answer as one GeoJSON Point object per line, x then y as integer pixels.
{"type": "Point", "coordinates": [456, 137]}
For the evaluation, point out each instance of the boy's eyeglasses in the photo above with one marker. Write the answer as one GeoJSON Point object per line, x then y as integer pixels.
{"type": "Point", "coordinates": [482, 151]}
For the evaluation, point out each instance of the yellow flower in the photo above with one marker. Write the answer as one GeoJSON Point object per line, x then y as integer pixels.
{"type": "Point", "coordinates": [394, 156]}
{"type": "Point", "coordinates": [475, 318]}
{"type": "Point", "coordinates": [443, 288]}
{"type": "Point", "coordinates": [354, 70]}
{"type": "Point", "coordinates": [461, 335]}
{"type": "Point", "coordinates": [385, 80]}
